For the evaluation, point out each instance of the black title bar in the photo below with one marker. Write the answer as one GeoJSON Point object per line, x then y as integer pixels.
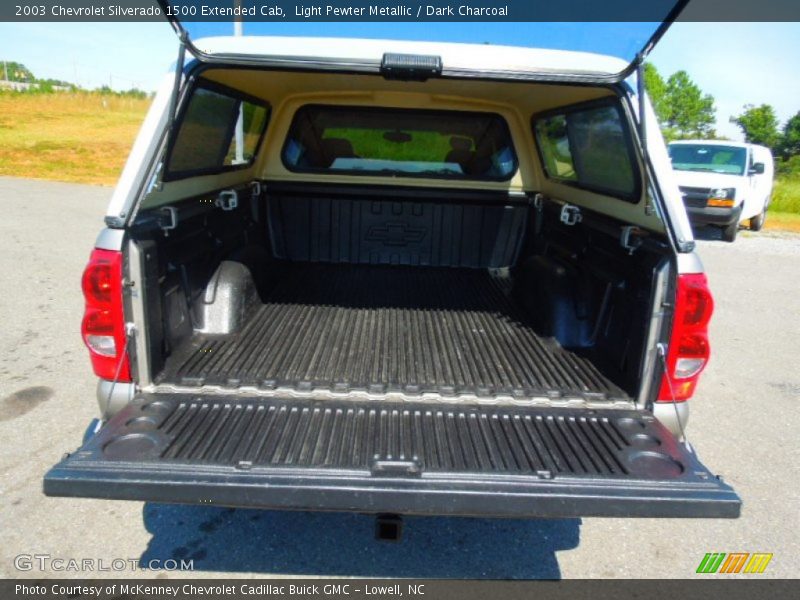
{"type": "Point", "coordinates": [399, 11]}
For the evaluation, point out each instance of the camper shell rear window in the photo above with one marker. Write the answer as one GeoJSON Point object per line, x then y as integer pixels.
{"type": "Point", "coordinates": [398, 142]}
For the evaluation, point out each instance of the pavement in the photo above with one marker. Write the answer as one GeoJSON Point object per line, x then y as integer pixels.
{"type": "Point", "coordinates": [744, 424]}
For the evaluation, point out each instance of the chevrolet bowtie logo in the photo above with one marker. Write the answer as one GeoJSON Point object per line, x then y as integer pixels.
{"type": "Point", "coordinates": [395, 233]}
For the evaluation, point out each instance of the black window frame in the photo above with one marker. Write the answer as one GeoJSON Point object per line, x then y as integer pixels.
{"type": "Point", "coordinates": [212, 86]}
{"type": "Point", "coordinates": [632, 197]}
{"type": "Point", "coordinates": [362, 173]}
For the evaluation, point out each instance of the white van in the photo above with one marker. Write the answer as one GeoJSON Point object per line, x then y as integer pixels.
{"type": "Point", "coordinates": [724, 183]}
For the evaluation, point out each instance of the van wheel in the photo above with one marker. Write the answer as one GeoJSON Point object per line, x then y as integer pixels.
{"type": "Point", "coordinates": [757, 222]}
{"type": "Point", "coordinates": [729, 232]}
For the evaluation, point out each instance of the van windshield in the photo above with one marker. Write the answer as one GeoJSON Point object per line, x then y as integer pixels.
{"type": "Point", "coordinates": [713, 158]}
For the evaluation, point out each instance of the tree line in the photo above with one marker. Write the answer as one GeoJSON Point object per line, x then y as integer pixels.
{"type": "Point", "coordinates": [685, 112]}
{"type": "Point", "coordinates": [18, 73]}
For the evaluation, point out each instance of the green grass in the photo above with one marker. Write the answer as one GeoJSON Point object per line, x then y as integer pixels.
{"type": "Point", "coordinates": [83, 137]}
{"type": "Point", "coordinates": [786, 196]}
{"type": "Point", "coordinates": [784, 210]}
{"type": "Point", "coordinates": [424, 146]}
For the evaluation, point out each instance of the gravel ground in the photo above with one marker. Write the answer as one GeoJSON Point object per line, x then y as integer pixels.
{"type": "Point", "coordinates": [744, 425]}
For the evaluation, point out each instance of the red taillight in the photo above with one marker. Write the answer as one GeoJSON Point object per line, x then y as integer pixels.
{"type": "Point", "coordinates": [688, 349]}
{"type": "Point", "coordinates": [103, 327]}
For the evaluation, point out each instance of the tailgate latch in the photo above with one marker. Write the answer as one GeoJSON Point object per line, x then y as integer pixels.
{"type": "Point", "coordinates": [396, 468]}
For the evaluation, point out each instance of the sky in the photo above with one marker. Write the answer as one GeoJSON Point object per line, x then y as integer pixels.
{"type": "Point", "coordinates": [737, 63]}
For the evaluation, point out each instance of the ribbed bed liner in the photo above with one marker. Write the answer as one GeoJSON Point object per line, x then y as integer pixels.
{"type": "Point", "coordinates": [392, 457]}
{"type": "Point", "coordinates": [387, 329]}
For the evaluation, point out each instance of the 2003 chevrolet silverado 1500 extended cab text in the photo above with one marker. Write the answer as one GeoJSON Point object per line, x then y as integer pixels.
{"type": "Point", "coordinates": [404, 278]}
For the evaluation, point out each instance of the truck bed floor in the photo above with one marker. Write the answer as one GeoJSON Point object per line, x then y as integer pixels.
{"type": "Point", "coordinates": [389, 329]}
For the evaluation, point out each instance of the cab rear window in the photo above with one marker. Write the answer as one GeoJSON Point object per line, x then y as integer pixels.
{"type": "Point", "coordinates": [361, 140]}
{"type": "Point", "coordinates": [207, 140]}
{"type": "Point", "coordinates": [588, 147]}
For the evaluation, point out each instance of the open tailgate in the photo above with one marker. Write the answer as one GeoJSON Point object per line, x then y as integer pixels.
{"type": "Point", "coordinates": [392, 458]}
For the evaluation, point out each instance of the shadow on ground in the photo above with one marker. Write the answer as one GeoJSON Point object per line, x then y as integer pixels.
{"type": "Point", "coordinates": [305, 543]}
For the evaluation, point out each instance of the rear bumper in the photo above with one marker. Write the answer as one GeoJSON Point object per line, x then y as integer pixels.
{"type": "Point", "coordinates": [393, 458]}
{"type": "Point", "coordinates": [714, 216]}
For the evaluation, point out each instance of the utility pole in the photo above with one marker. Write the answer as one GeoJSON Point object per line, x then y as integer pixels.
{"type": "Point", "coordinates": [5, 70]}
{"type": "Point", "coordinates": [237, 31]}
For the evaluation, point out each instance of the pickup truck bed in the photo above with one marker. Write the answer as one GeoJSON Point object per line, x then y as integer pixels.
{"type": "Point", "coordinates": [383, 329]}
